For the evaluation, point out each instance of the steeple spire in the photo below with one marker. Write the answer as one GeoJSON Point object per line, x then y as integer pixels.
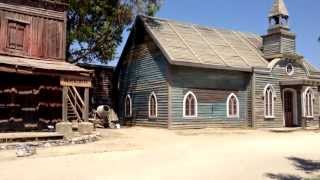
{"type": "Point", "coordinates": [278, 15]}
{"type": "Point", "coordinates": [279, 40]}
{"type": "Point", "coordinates": [279, 8]}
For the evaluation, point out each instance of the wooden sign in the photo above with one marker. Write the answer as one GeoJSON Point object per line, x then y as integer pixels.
{"type": "Point", "coordinates": [75, 83]}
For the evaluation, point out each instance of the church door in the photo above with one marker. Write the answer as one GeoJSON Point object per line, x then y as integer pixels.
{"type": "Point", "coordinates": [288, 108]}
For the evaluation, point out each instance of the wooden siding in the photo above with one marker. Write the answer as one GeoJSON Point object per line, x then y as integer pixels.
{"type": "Point", "coordinates": [142, 72]}
{"type": "Point", "coordinates": [278, 73]}
{"type": "Point", "coordinates": [275, 44]}
{"type": "Point", "coordinates": [102, 87]}
{"type": "Point", "coordinates": [43, 37]}
{"type": "Point", "coordinates": [211, 89]}
{"type": "Point", "coordinates": [271, 45]}
{"type": "Point", "coordinates": [101, 92]}
{"type": "Point", "coordinates": [288, 45]}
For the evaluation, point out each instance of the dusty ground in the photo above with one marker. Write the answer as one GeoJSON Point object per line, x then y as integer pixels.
{"type": "Point", "coordinates": [151, 154]}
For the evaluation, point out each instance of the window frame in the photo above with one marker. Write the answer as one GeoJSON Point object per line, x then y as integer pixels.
{"type": "Point", "coordinates": [128, 97]}
{"type": "Point", "coordinates": [195, 106]}
{"type": "Point", "coordinates": [292, 71]}
{"type": "Point", "coordinates": [305, 103]}
{"type": "Point", "coordinates": [266, 103]}
{"type": "Point", "coordinates": [153, 94]}
{"type": "Point", "coordinates": [25, 26]}
{"type": "Point", "coordinates": [237, 115]}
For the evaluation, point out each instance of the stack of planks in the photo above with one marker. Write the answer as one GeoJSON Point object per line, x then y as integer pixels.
{"type": "Point", "coordinates": [28, 103]}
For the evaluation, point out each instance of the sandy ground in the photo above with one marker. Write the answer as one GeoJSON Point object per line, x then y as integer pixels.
{"type": "Point", "coordinates": [152, 154]}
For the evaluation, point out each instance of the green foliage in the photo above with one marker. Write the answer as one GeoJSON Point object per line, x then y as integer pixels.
{"type": "Point", "coordinates": [95, 27]}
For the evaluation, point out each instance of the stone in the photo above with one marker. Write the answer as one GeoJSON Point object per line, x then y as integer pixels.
{"type": "Point", "coordinates": [47, 145]}
{"type": "Point", "coordinates": [65, 128]}
{"type": "Point", "coordinates": [85, 128]}
{"type": "Point", "coordinates": [24, 150]}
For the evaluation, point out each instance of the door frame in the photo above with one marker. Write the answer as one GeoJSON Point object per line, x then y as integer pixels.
{"type": "Point", "coordinates": [295, 106]}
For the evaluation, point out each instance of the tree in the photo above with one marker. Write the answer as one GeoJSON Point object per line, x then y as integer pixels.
{"type": "Point", "coordinates": [95, 27]}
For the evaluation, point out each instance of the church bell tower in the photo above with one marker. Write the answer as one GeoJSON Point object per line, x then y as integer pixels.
{"type": "Point", "coordinates": [279, 40]}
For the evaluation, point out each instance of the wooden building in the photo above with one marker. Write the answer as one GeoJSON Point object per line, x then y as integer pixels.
{"type": "Point", "coordinates": [38, 87]}
{"type": "Point", "coordinates": [101, 92]}
{"type": "Point", "coordinates": [179, 75]}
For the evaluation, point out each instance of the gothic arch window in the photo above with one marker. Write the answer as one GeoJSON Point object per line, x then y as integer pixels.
{"type": "Point", "coordinates": [308, 98]}
{"type": "Point", "coordinates": [153, 105]}
{"type": "Point", "coordinates": [232, 106]}
{"type": "Point", "coordinates": [190, 105]}
{"type": "Point", "coordinates": [128, 106]}
{"type": "Point", "coordinates": [269, 97]}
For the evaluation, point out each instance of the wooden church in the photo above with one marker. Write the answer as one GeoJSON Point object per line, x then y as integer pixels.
{"type": "Point", "coordinates": [38, 87]}
{"type": "Point", "coordinates": [180, 75]}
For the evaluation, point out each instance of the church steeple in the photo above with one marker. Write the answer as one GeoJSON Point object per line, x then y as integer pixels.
{"type": "Point", "coordinates": [279, 40]}
{"type": "Point", "coordinates": [278, 15]}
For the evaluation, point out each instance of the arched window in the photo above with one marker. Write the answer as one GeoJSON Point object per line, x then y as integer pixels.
{"type": "Point", "coordinates": [308, 102]}
{"type": "Point", "coordinates": [128, 106]}
{"type": "Point", "coordinates": [153, 105]}
{"type": "Point", "coordinates": [190, 105]}
{"type": "Point", "coordinates": [232, 106]}
{"type": "Point", "coordinates": [269, 96]}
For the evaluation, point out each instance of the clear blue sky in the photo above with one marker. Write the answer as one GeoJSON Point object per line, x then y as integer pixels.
{"type": "Point", "coordinates": [249, 16]}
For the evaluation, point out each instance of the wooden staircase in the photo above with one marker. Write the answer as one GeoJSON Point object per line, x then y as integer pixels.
{"type": "Point", "coordinates": [75, 105]}
{"type": "Point", "coordinates": [72, 116]}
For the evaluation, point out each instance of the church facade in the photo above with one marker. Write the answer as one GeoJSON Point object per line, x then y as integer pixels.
{"type": "Point", "coordinates": [180, 75]}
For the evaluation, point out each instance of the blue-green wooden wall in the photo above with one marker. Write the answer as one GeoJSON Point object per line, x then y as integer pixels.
{"type": "Point", "coordinates": [212, 88]}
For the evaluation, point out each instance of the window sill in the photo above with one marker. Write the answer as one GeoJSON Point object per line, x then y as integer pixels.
{"type": "Point", "coordinates": [309, 117]}
{"type": "Point", "coordinates": [153, 118]}
{"type": "Point", "coordinates": [233, 117]}
{"type": "Point", "coordinates": [190, 117]}
{"type": "Point", "coordinates": [269, 117]}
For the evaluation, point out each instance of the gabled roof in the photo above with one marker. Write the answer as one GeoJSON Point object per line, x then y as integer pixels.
{"type": "Point", "coordinates": [194, 45]}
{"type": "Point", "coordinates": [278, 8]}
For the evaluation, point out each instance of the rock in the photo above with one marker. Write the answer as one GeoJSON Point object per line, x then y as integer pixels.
{"type": "Point", "coordinates": [47, 145]}
{"type": "Point", "coordinates": [24, 150]}
{"type": "Point", "coordinates": [65, 128]}
{"type": "Point", "coordinates": [85, 128]}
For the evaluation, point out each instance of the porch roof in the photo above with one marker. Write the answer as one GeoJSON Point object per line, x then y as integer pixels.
{"type": "Point", "coordinates": [28, 66]}
{"type": "Point", "coordinates": [301, 82]}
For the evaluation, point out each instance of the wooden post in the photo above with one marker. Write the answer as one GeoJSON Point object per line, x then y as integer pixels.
{"type": "Point", "coordinates": [85, 114]}
{"type": "Point", "coordinates": [253, 99]}
{"type": "Point", "coordinates": [64, 104]}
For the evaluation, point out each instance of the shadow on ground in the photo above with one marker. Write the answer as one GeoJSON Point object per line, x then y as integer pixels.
{"type": "Point", "coordinates": [306, 165]}
{"type": "Point", "coordinates": [283, 176]}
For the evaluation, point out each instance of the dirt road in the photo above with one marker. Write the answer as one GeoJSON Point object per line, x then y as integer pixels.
{"type": "Point", "coordinates": [152, 154]}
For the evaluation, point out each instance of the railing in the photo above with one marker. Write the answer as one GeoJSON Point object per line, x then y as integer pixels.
{"type": "Point", "coordinates": [76, 102]}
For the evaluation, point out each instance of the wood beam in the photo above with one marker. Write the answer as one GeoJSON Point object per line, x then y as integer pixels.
{"type": "Point", "coordinates": [85, 114]}
{"type": "Point", "coordinates": [64, 104]}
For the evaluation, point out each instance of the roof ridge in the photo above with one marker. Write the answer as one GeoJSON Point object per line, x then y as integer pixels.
{"type": "Point", "coordinates": [199, 25]}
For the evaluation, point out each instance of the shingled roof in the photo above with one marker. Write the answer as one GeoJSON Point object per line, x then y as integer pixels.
{"type": "Point", "coordinates": [41, 64]}
{"type": "Point", "coordinates": [189, 44]}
